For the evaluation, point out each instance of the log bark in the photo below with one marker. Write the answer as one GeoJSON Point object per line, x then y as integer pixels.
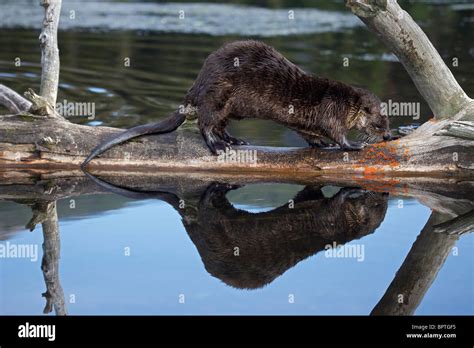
{"type": "Point", "coordinates": [29, 141]}
{"type": "Point", "coordinates": [460, 129]}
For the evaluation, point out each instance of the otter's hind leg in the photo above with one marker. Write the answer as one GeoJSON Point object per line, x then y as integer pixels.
{"type": "Point", "coordinates": [212, 125]}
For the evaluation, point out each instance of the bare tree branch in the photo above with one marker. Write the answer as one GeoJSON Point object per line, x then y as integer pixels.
{"type": "Point", "coordinates": [49, 50]}
{"type": "Point", "coordinates": [400, 33]}
{"type": "Point", "coordinates": [14, 102]}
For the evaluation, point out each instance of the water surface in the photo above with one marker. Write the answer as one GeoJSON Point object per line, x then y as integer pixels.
{"type": "Point", "coordinates": [216, 248]}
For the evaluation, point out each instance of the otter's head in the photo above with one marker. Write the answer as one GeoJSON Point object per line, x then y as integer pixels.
{"type": "Point", "coordinates": [362, 211]}
{"type": "Point", "coordinates": [369, 118]}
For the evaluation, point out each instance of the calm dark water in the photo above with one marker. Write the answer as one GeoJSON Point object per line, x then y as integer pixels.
{"type": "Point", "coordinates": [124, 256]}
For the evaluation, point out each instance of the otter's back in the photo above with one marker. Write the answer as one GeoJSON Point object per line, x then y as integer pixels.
{"type": "Point", "coordinates": [246, 65]}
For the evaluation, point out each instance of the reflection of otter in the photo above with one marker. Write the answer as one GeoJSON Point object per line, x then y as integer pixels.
{"type": "Point", "coordinates": [269, 243]}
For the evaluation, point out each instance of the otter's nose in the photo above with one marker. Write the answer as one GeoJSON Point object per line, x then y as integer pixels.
{"type": "Point", "coordinates": [387, 137]}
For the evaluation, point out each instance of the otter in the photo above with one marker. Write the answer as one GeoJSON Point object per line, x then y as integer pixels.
{"type": "Point", "coordinates": [250, 79]}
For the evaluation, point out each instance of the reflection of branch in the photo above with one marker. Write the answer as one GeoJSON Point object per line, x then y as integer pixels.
{"type": "Point", "coordinates": [50, 263]}
{"type": "Point", "coordinates": [41, 212]}
{"type": "Point", "coordinates": [459, 225]}
{"type": "Point", "coordinates": [418, 271]}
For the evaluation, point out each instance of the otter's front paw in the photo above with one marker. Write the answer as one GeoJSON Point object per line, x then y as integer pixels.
{"type": "Point", "coordinates": [215, 193]}
{"type": "Point", "coordinates": [352, 147]}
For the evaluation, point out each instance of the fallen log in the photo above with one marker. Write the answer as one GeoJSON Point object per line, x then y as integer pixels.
{"type": "Point", "coordinates": [39, 142]}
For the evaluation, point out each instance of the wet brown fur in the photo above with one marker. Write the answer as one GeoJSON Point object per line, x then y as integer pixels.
{"type": "Point", "coordinates": [249, 79]}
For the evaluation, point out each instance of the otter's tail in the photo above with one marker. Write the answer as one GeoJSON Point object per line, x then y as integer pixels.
{"type": "Point", "coordinates": [167, 125]}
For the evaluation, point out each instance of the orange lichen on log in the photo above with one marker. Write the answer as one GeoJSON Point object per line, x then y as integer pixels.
{"type": "Point", "coordinates": [370, 171]}
{"type": "Point", "coordinates": [380, 155]}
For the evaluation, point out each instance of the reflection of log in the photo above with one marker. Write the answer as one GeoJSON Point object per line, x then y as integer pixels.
{"type": "Point", "coordinates": [440, 194]}
{"type": "Point", "coordinates": [418, 271]}
{"type": "Point", "coordinates": [50, 263]}
{"type": "Point", "coordinates": [305, 231]}
{"type": "Point", "coordinates": [461, 224]}
{"type": "Point", "coordinates": [42, 210]}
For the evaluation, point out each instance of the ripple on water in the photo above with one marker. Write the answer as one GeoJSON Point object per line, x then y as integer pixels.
{"type": "Point", "coordinates": [95, 123]}
{"type": "Point", "coordinates": [211, 19]}
{"type": "Point", "coordinates": [98, 90]}
{"type": "Point", "coordinates": [4, 74]}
